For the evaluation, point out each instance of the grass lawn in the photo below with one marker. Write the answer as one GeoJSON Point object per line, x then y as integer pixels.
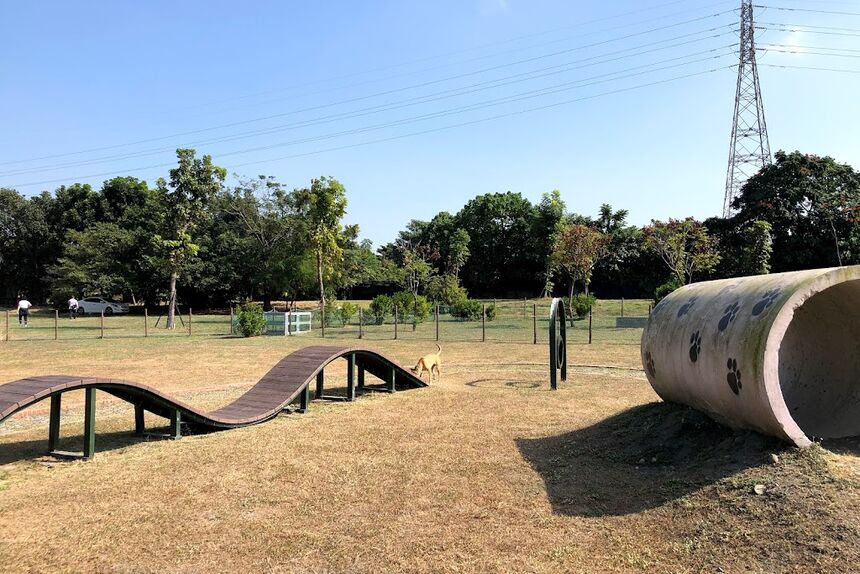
{"type": "Point", "coordinates": [485, 471]}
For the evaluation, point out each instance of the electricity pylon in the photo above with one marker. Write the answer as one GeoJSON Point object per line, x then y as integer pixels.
{"type": "Point", "coordinates": [750, 149]}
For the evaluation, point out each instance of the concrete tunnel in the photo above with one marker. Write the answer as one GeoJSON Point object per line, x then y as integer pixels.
{"type": "Point", "coordinates": [776, 353]}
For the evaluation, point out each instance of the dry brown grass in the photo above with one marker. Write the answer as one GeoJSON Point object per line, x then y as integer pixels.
{"type": "Point", "coordinates": [486, 471]}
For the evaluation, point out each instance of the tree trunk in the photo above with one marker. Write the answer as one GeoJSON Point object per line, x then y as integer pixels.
{"type": "Point", "coordinates": [171, 305]}
{"type": "Point", "coordinates": [836, 242]}
{"type": "Point", "coordinates": [320, 278]}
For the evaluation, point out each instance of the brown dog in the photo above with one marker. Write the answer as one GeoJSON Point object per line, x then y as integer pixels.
{"type": "Point", "coordinates": [429, 363]}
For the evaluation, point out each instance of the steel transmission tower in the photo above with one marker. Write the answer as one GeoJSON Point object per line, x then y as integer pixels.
{"type": "Point", "coordinates": [750, 149]}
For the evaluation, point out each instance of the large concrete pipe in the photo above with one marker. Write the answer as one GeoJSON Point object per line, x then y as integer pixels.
{"type": "Point", "coordinates": [777, 353]}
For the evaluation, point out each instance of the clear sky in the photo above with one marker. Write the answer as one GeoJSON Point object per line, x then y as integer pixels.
{"type": "Point", "coordinates": [520, 95]}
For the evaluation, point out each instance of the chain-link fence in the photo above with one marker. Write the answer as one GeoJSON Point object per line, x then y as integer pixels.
{"type": "Point", "coordinates": [507, 321]}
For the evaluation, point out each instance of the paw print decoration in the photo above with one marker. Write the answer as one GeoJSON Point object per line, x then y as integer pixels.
{"type": "Point", "coordinates": [649, 364]}
{"type": "Point", "coordinates": [733, 378]}
{"type": "Point", "coordinates": [767, 299]}
{"type": "Point", "coordinates": [728, 316]}
{"type": "Point", "coordinates": [695, 346]}
{"type": "Point", "coordinates": [685, 308]}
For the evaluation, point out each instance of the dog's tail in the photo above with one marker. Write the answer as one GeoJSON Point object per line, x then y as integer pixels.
{"type": "Point", "coordinates": [438, 346]}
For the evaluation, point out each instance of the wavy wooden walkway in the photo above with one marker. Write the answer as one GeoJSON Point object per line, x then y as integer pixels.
{"type": "Point", "coordinates": [286, 382]}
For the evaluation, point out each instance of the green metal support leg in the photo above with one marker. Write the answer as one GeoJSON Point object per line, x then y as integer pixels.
{"type": "Point", "coordinates": [54, 424]}
{"type": "Point", "coordinates": [391, 376]}
{"type": "Point", "coordinates": [320, 380]}
{"type": "Point", "coordinates": [139, 427]}
{"type": "Point", "coordinates": [350, 377]}
{"type": "Point", "coordinates": [361, 378]}
{"type": "Point", "coordinates": [306, 399]}
{"type": "Point", "coordinates": [175, 425]}
{"type": "Point", "coordinates": [90, 423]}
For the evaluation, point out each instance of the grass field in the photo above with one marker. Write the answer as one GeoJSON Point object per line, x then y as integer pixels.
{"type": "Point", "coordinates": [485, 471]}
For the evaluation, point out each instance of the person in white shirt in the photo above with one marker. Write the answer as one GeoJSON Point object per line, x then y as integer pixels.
{"type": "Point", "coordinates": [73, 307]}
{"type": "Point", "coordinates": [23, 311]}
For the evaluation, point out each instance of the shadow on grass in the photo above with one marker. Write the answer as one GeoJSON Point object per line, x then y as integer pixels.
{"type": "Point", "coordinates": [641, 458]}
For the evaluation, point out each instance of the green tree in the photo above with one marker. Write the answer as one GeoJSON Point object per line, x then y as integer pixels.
{"type": "Point", "coordinates": [684, 246]}
{"type": "Point", "coordinates": [812, 204]}
{"type": "Point", "coordinates": [187, 196]}
{"type": "Point", "coordinates": [321, 208]}
{"type": "Point", "coordinates": [577, 250]}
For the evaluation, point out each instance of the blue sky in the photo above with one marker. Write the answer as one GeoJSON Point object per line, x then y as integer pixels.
{"type": "Point", "coordinates": [302, 89]}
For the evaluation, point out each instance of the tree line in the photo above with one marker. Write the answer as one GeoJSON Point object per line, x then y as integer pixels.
{"type": "Point", "coordinates": [192, 239]}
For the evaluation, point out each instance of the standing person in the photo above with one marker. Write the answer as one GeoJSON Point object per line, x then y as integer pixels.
{"type": "Point", "coordinates": [73, 307]}
{"type": "Point", "coordinates": [23, 310]}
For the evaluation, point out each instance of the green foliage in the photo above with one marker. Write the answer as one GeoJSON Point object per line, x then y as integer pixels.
{"type": "Point", "coordinates": [380, 308]}
{"type": "Point", "coordinates": [251, 321]}
{"type": "Point", "coordinates": [446, 290]}
{"type": "Point", "coordinates": [666, 288]}
{"type": "Point", "coordinates": [411, 308]}
{"type": "Point", "coordinates": [490, 312]}
{"type": "Point", "coordinates": [684, 245]}
{"type": "Point", "coordinates": [467, 310]}
{"type": "Point", "coordinates": [580, 304]}
{"type": "Point", "coordinates": [576, 251]}
{"type": "Point", "coordinates": [346, 312]}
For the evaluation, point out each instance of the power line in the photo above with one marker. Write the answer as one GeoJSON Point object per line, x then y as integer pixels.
{"type": "Point", "coordinates": [791, 50]}
{"type": "Point", "coordinates": [809, 26]}
{"type": "Point", "coordinates": [812, 68]}
{"type": "Point", "coordinates": [783, 9]}
{"type": "Point", "coordinates": [481, 86]}
{"type": "Point", "coordinates": [402, 136]}
{"type": "Point", "coordinates": [817, 32]}
{"type": "Point", "coordinates": [378, 94]}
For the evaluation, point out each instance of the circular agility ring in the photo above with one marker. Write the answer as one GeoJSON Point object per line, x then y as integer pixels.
{"type": "Point", "coordinates": [777, 353]}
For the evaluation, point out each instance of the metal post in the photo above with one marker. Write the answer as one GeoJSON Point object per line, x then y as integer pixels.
{"type": "Point", "coordinates": [139, 426]}
{"type": "Point", "coordinates": [145, 322]}
{"type": "Point", "coordinates": [56, 324]}
{"type": "Point", "coordinates": [320, 381]}
{"type": "Point", "coordinates": [650, 305]}
{"type": "Point", "coordinates": [102, 336]}
{"type": "Point", "coordinates": [437, 321]}
{"type": "Point", "coordinates": [306, 399]}
{"type": "Point", "coordinates": [54, 424]}
{"type": "Point", "coordinates": [189, 321]}
{"type": "Point", "coordinates": [7, 324]}
{"type": "Point", "coordinates": [361, 377]}
{"type": "Point", "coordinates": [231, 319]}
{"type": "Point", "coordinates": [589, 324]}
{"type": "Point", "coordinates": [391, 381]}
{"type": "Point", "coordinates": [90, 423]}
{"type": "Point", "coordinates": [175, 424]}
{"type": "Point", "coordinates": [534, 321]}
{"type": "Point", "coordinates": [395, 322]}
{"type": "Point", "coordinates": [524, 307]}
{"type": "Point", "coordinates": [289, 320]}
{"type": "Point", "coordinates": [622, 306]}
{"type": "Point", "coordinates": [483, 322]}
{"type": "Point", "coordinates": [322, 319]}
{"type": "Point", "coordinates": [360, 323]}
{"type": "Point", "coordinates": [350, 377]}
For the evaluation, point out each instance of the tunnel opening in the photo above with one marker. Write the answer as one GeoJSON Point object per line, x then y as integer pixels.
{"type": "Point", "coordinates": [819, 363]}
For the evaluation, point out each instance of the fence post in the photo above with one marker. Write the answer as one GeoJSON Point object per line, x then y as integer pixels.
{"type": "Point", "coordinates": [534, 321]}
{"type": "Point", "coordinates": [589, 324]}
{"type": "Point", "coordinates": [289, 320]}
{"type": "Point", "coordinates": [231, 319]}
{"type": "Point", "coordinates": [622, 306]}
{"type": "Point", "coordinates": [322, 318]}
{"type": "Point", "coordinates": [146, 322]}
{"type": "Point", "coordinates": [56, 324]}
{"type": "Point", "coordinates": [483, 322]}
{"type": "Point", "coordinates": [189, 321]}
{"type": "Point", "coordinates": [7, 324]}
{"type": "Point", "coordinates": [102, 325]}
{"type": "Point", "coordinates": [395, 322]}
{"type": "Point", "coordinates": [360, 323]}
{"type": "Point", "coordinates": [437, 321]}
{"type": "Point", "coordinates": [524, 307]}
{"type": "Point", "coordinates": [649, 309]}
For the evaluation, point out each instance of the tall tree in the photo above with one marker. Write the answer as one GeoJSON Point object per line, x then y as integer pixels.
{"type": "Point", "coordinates": [192, 186]}
{"type": "Point", "coordinates": [577, 250]}
{"type": "Point", "coordinates": [684, 246]}
{"type": "Point", "coordinates": [321, 208]}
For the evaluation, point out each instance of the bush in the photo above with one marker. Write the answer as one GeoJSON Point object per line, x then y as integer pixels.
{"type": "Point", "coordinates": [250, 320]}
{"type": "Point", "coordinates": [446, 290]}
{"type": "Point", "coordinates": [346, 312]}
{"type": "Point", "coordinates": [402, 301]}
{"type": "Point", "coordinates": [467, 310]}
{"type": "Point", "coordinates": [665, 289]}
{"type": "Point", "coordinates": [380, 308]}
{"type": "Point", "coordinates": [411, 309]}
{"type": "Point", "coordinates": [491, 312]}
{"type": "Point", "coordinates": [332, 311]}
{"type": "Point", "coordinates": [580, 305]}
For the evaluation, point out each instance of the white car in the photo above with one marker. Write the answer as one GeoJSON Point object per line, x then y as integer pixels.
{"type": "Point", "coordinates": [95, 306]}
